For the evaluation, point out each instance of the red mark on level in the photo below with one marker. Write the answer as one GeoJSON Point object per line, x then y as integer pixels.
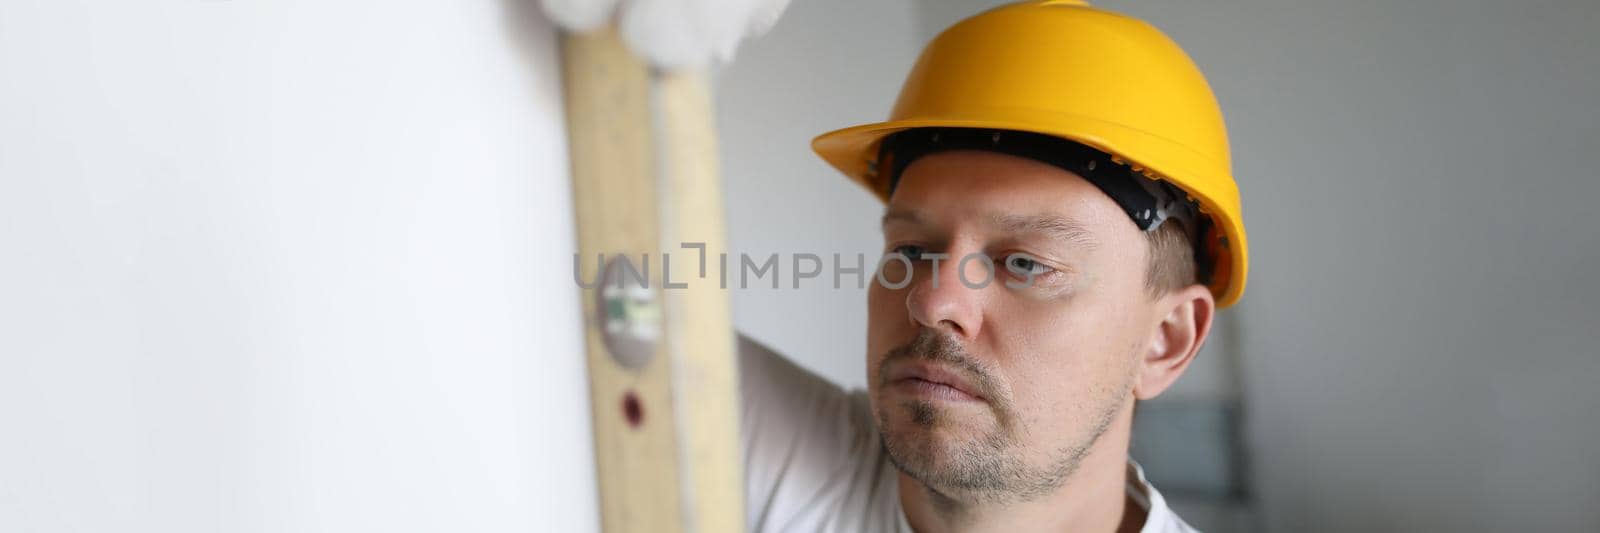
{"type": "Point", "coordinates": [632, 410]}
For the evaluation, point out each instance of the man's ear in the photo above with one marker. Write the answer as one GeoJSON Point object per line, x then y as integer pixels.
{"type": "Point", "coordinates": [1183, 322]}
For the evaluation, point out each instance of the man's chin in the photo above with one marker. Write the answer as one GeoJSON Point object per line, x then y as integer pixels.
{"type": "Point", "coordinates": [930, 447]}
{"type": "Point", "coordinates": [934, 459]}
{"type": "Point", "coordinates": [960, 466]}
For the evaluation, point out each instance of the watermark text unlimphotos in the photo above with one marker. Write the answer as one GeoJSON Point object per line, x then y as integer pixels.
{"type": "Point", "coordinates": [767, 271]}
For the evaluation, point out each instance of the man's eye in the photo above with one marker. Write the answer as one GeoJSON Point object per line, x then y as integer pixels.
{"type": "Point", "coordinates": [910, 251]}
{"type": "Point", "coordinates": [1025, 264]}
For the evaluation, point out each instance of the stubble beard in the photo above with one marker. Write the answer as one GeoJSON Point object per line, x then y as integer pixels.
{"type": "Point", "coordinates": [986, 468]}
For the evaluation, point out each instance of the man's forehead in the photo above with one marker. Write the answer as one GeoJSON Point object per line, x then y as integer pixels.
{"type": "Point", "coordinates": [975, 178]}
{"type": "Point", "coordinates": [1052, 225]}
{"type": "Point", "coordinates": [1004, 194]}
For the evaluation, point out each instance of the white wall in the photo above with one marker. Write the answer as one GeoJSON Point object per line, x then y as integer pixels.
{"type": "Point", "coordinates": [286, 266]}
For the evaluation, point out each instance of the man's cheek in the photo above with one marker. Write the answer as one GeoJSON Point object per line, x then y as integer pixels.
{"type": "Point", "coordinates": [878, 304]}
{"type": "Point", "coordinates": [1057, 288]}
{"type": "Point", "coordinates": [887, 320]}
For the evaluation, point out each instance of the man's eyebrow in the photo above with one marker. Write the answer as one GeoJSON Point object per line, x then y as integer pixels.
{"type": "Point", "coordinates": [901, 215]}
{"type": "Point", "coordinates": [1054, 226]}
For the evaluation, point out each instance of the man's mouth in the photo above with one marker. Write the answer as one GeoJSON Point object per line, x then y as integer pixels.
{"type": "Point", "coordinates": [933, 382]}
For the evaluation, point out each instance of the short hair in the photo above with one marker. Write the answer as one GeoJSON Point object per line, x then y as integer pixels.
{"type": "Point", "coordinates": [1172, 259]}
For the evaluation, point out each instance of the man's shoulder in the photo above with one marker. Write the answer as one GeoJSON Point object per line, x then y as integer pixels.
{"type": "Point", "coordinates": [1159, 518]}
{"type": "Point", "coordinates": [813, 461]}
{"type": "Point", "coordinates": [786, 405]}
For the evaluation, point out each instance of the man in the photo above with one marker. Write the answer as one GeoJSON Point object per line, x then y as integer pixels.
{"type": "Point", "coordinates": [1061, 225]}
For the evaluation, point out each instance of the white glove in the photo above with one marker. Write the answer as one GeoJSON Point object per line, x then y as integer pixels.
{"type": "Point", "coordinates": [674, 34]}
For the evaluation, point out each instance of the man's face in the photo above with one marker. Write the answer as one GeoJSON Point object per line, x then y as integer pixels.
{"type": "Point", "coordinates": [996, 391]}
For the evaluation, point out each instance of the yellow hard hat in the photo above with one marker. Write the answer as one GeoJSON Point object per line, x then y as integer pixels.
{"type": "Point", "coordinates": [1066, 69]}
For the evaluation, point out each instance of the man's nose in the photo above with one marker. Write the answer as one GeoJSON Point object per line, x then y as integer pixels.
{"type": "Point", "coordinates": [951, 297]}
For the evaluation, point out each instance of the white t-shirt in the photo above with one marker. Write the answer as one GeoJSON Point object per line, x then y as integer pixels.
{"type": "Point", "coordinates": [813, 461]}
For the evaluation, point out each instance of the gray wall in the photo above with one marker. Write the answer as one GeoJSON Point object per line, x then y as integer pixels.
{"type": "Point", "coordinates": [1417, 342]}
{"type": "Point", "coordinates": [826, 64]}
{"type": "Point", "coordinates": [1418, 338]}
